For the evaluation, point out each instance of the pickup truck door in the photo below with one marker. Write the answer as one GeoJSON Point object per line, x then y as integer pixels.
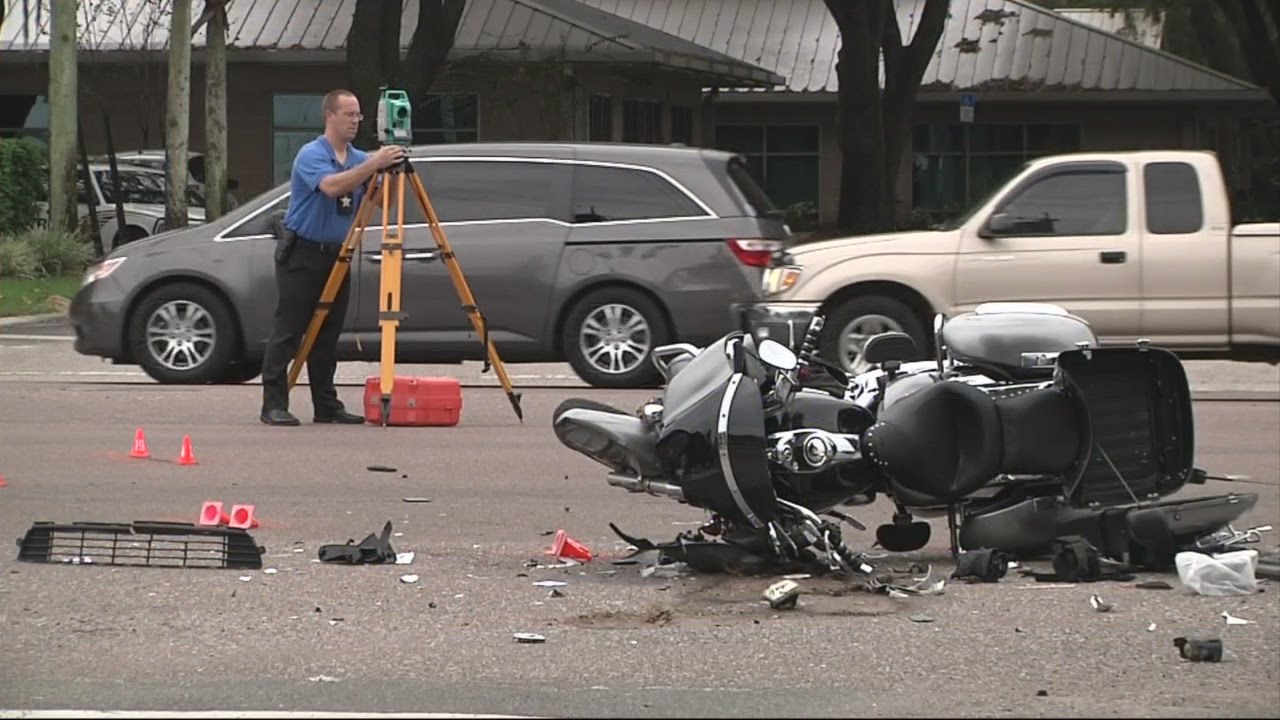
{"type": "Point", "coordinates": [1185, 284]}
{"type": "Point", "coordinates": [1063, 235]}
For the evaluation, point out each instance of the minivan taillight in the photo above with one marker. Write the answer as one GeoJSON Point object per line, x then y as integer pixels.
{"type": "Point", "coordinates": [754, 252]}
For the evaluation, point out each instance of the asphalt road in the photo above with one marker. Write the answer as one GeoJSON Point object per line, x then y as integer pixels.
{"type": "Point", "coordinates": [320, 637]}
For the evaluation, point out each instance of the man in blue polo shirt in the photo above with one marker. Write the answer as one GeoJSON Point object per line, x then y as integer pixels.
{"type": "Point", "coordinates": [326, 187]}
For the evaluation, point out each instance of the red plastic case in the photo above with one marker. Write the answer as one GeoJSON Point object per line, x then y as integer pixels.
{"type": "Point", "coordinates": [415, 401]}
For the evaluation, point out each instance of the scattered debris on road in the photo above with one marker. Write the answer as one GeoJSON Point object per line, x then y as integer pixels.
{"type": "Point", "coordinates": [323, 678]}
{"type": "Point", "coordinates": [921, 618]}
{"type": "Point", "coordinates": [373, 549]}
{"type": "Point", "coordinates": [985, 565]}
{"type": "Point", "coordinates": [1199, 649]}
{"type": "Point", "coordinates": [1232, 620]}
{"type": "Point", "coordinates": [408, 579]}
{"type": "Point", "coordinates": [381, 468]}
{"type": "Point", "coordinates": [529, 638]}
{"type": "Point", "coordinates": [783, 595]}
{"type": "Point", "coordinates": [416, 500]}
{"type": "Point", "coordinates": [1099, 604]}
{"type": "Point", "coordinates": [1218, 575]}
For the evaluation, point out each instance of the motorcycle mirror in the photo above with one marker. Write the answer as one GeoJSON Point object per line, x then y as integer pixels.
{"type": "Point", "coordinates": [888, 346]}
{"type": "Point", "coordinates": [775, 354]}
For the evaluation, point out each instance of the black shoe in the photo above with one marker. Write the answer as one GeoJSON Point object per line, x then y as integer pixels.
{"type": "Point", "coordinates": [279, 417]}
{"type": "Point", "coordinates": [342, 417]}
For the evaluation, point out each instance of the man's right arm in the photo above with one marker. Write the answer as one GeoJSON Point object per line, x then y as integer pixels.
{"type": "Point", "coordinates": [313, 169]}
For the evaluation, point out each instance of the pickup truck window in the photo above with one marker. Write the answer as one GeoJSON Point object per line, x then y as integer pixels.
{"type": "Point", "coordinates": [1071, 202]}
{"type": "Point", "coordinates": [1174, 205]}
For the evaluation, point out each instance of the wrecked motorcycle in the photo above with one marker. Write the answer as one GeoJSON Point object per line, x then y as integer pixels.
{"type": "Point", "coordinates": [1085, 441]}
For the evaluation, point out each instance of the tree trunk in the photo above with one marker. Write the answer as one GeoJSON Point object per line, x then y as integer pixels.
{"type": "Point", "coordinates": [63, 84]}
{"type": "Point", "coordinates": [860, 128]}
{"type": "Point", "coordinates": [178, 114]}
{"type": "Point", "coordinates": [1256, 29]}
{"type": "Point", "coordinates": [428, 52]}
{"type": "Point", "coordinates": [904, 67]}
{"type": "Point", "coordinates": [215, 93]}
{"type": "Point", "coordinates": [373, 58]}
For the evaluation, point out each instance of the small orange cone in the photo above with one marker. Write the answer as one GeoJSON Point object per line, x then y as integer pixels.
{"type": "Point", "coordinates": [139, 445]}
{"type": "Point", "coordinates": [3, 482]}
{"type": "Point", "coordinates": [566, 548]}
{"type": "Point", "coordinates": [242, 517]}
{"type": "Point", "coordinates": [186, 457]}
{"type": "Point", "coordinates": [211, 513]}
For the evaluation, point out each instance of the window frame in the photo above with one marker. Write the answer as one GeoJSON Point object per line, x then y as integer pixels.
{"type": "Point", "coordinates": [764, 154]}
{"type": "Point", "coordinates": [275, 129]}
{"type": "Point", "coordinates": [475, 100]}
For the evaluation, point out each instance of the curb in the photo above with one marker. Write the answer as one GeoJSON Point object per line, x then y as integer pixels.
{"type": "Point", "coordinates": [24, 319]}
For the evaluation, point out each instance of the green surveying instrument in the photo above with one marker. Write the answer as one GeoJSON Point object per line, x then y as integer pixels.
{"type": "Point", "coordinates": [395, 128]}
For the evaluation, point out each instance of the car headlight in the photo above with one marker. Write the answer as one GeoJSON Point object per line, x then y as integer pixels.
{"type": "Point", "coordinates": [101, 270]}
{"type": "Point", "coordinates": [780, 279]}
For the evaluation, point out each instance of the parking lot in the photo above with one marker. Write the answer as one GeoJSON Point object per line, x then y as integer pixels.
{"type": "Point", "coordinates": [328, 638]}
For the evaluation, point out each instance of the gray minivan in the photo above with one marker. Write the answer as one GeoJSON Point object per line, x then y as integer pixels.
{"type": "Point", "coordinates": [594, 253]}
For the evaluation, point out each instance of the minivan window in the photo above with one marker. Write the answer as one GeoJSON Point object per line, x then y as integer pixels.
{"type": "Point", "coordinates": [1073, 202]}
{"type": "Point", "coordinates": [604, 194]}
{"type": "Point", "coordinates": [468, 190]}
{"type": "Point", "coordinates": [1173, 198]}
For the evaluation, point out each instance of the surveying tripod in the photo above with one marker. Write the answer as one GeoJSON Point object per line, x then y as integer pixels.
{"type": "Point", "coordinates": [378, 192]}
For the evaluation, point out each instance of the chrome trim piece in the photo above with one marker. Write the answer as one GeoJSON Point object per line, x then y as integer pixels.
{"type": "Point", "coordinates": [722, 435]}
{"type": "Point", "coordinates": [652, 487]}
{"type": "Point", "coordinates": [710, 214]}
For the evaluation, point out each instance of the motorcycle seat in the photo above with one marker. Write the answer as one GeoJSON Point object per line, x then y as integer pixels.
{"type": "Point", "coordinates": [946, 441]}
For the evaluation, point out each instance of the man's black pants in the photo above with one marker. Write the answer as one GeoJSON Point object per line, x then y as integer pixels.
{"type": "Point", "coordinates": [300, 280]}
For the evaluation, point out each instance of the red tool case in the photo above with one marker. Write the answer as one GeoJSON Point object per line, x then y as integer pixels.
{"type": "Point", "coordinates": [417, 401]}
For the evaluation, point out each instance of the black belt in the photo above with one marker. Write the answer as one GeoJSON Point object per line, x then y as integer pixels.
{"type": "Point", "coordinates": [321, 246]}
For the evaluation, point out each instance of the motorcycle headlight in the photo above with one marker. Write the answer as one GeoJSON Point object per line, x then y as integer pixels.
{"type": "Point", "coordinates": [780, 279]}
{"type": "Point", "coordinates": [101, 270]}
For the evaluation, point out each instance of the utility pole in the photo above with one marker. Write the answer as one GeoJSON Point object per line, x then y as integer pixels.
{"type": "Point", "coordinates": [63, 84]}
{"type": "Point", "coordinates": [215, 105]}
{"type": "Point", "coordinates": [178, 117]}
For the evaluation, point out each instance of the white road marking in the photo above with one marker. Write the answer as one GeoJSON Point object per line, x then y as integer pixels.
{"type": "Point", "coordinates": [246, 714]}
{"type": "Point", "coordinates": [62, 338]}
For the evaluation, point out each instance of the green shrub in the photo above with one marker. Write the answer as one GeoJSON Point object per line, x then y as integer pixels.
{"type": "Point", "coordinates": [22, 183]}
{"type": "Point", "coordinates": [18, 259]}
{"type": "Point", "coordinates": [57, 253]}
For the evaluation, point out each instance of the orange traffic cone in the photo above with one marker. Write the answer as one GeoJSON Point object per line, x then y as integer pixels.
{"type": "Point", "coordinates": [242, 517]}
{"type": "Point", "coordinates": [139, 445]}
{"type": "Point", "coordinates": [211, 513]}
{"type": "Point", "coordinates": [3, 482]}
{"type": "Point", "coordinates": [565, 547]}
{"type": "Point", "coordinates": [186, 457]}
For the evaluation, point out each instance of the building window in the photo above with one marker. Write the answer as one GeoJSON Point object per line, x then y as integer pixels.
{"type": "Point", "coordinates": [782, 158]}
{"type": "Point", "coordinates": [600, 118]}
{"type": "Point", "coordinates": [24, 116]}
{"type": "Point", "coordinates": [641, 121]}
{"type": "Point", "coordinates": [446, 118]}
{"type": "Point", "coordinates": [682, 124]}
{"type": "Point", "coordinates": [296, 119]}
{"type": "Point", "coordinates": [957, 164]}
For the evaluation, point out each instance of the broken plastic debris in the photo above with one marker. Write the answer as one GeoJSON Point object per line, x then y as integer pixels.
{"type": "Point", "coordinates": [408, 579]}
{"type": "Point", "coordinates": [1099, 604]}
{"type": "Point", "coordinates": [323, 678]}
{"type": "Point", "coordinates": [245, 578]}
{"type": "Point", "coordinates": [1151, 627]}
{"type": "Point", "coordinates": [416, 500]}
{"type": "Point", "coordinates": [270, 571]}
{"type": "Point", "coordinates": [404, 558]}
{"type": "Point", "coordinates": [550, 583]}
{"type": "Point", "coordinates": [797, 576]}
{"type": "Point", "coordinates": [782, 595]}
{"type": "Point", "coordinates": [669, 570]}
{"type": "Point", "coordinates": [1235, 620]}
{"type": "Point", "coordinates": [921, 618]}
{"type": "Point", "coordinates": [380, 468]}
{"type": "Point", "coordinates": [555, 593]}
{"type": "Point", "coordinates": [297, 550]}
{"type": "Point", "coordinates": [528, 638]}
{"type": "Point", "coordinates": [895, 593]}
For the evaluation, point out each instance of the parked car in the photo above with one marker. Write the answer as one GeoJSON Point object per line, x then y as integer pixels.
{"type": "Point", "coordinates": [594, 253]}
{"type": "Point", "coordinates": [143, 195]}
{"type": "Point", "coordinates": [1139, 244]}
{"type": "Point", "coordinates": [156, 159]}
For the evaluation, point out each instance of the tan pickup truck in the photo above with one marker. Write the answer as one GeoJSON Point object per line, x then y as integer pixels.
{"type": "Point", "coordinates": [1139, 244]}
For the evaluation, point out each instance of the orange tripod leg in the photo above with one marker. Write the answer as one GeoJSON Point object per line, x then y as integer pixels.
{"type": "Point", "coordinates": [389, 314]}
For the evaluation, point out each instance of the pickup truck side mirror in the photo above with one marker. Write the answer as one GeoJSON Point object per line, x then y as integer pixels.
{"type": "Point", "coordinates": [996, 225]}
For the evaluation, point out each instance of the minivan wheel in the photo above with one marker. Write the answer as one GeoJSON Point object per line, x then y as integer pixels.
{"type": "Point", "coordinates": [854, 321]}
{"type": "Point", "coordinates": [183, 333]}
{"type": "Point", "coordinates": [609, 337]}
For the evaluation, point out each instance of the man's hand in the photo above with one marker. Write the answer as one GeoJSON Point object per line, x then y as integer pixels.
{"type": "Point", "coordinates": [388, 155]}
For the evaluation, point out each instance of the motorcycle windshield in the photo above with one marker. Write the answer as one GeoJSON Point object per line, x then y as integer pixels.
{"type": "Point", "coordinates": [713, 434]}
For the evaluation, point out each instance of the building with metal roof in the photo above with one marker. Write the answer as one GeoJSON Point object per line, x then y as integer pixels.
{"type": "Point", "coordinates": [756, 76]}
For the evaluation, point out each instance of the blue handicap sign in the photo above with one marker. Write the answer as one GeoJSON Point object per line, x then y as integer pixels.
{"type": "Point", "coordinates": [968, 100]}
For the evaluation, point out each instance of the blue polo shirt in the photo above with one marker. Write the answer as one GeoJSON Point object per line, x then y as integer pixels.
{"type": "Point", "coordinates": [312, 214]}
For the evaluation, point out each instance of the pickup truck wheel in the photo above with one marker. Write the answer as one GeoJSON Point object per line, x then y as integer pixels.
{"type": "Point", "coordinates": [609, 337]}
{"type": "Point", "coordinates": [183, 334]}
{"type": "Point", "coordinates": [855, 320]}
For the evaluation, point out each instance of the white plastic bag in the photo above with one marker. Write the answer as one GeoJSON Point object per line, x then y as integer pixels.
{"type": "Point", "coordinates": [1220, 575]}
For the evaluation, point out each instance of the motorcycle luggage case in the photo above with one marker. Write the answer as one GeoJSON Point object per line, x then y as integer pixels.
{"type": "Point", "coordinates": [415, 401]}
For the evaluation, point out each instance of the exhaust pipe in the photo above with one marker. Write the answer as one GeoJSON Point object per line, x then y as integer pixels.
{"type": "Point", "coordinates": [653, 487]}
